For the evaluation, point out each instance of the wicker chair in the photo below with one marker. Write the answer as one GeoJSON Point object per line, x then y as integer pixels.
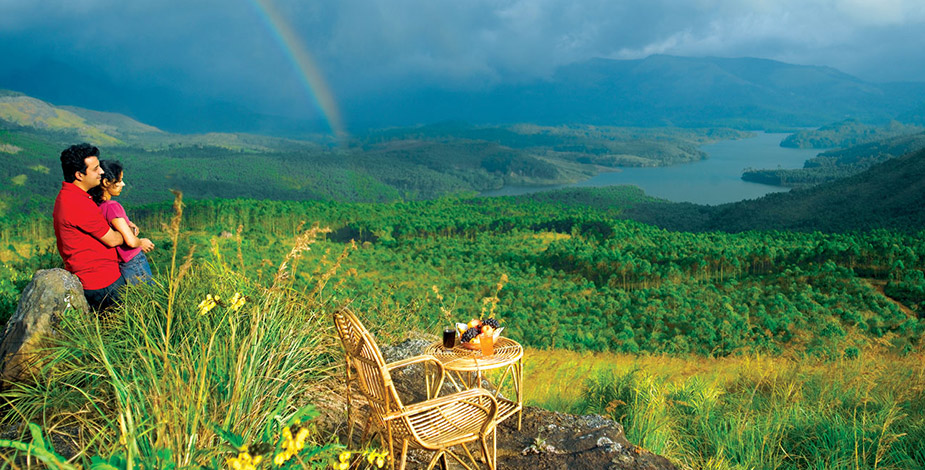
{"type": "Point", "coordinates": [436, 424]}
{"type": "Point", "coordinates": [350, 338]}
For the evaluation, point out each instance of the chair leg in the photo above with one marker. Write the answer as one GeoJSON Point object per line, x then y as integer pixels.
{"type": "Point", "coordinates": [349, 405]}
{"type": "Point", "coordinates": [366, 428]}
{"type": "Point", "coordinates": [440, 456]}
{"type": "Point", "coordinates": [388, 446]}
{"type": "Point", "coordinates": [490, 458]}
{"type": "Point", "coordinates": [404, 454]}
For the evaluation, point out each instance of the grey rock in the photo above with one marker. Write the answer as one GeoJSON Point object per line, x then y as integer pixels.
{"type": "Point", "coordinates": [50, 292]}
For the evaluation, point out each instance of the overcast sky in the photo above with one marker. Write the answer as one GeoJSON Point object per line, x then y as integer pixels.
{"type": "Point", "coordinates": [225, 49]}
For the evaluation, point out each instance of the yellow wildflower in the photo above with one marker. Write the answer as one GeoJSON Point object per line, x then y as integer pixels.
{"type": "Point", "coordinates": [291, 444]}
{"type": "Point", "coordinates": [237, 301]}
{"type": "Point", "coordinates": [244, 461]}
{"type": "Point", "coordinates": [300, 438]}
{"type": "Point", "coordinates": [208, 304]}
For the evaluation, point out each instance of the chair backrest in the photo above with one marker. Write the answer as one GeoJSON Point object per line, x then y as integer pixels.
{"type": "Point", "coordinates": [373, 377]}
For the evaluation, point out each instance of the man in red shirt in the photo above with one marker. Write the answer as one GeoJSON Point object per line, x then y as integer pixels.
{"type": "Point", "coordinates": [85, 240]}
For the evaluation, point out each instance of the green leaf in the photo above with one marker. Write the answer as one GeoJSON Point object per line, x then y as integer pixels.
{"type": "Point", "coordinates": [37, 439]}
{"type": "Point", "coordinates": [102, 465]}
{"type": "Point", "coordinates": [231, 438]}
{"type": "Point", "coordinates": [306, 413]}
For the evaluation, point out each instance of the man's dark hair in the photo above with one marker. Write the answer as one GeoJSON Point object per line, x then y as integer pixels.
{"type": "Point", "coordinates": [72, 160]}
{"type": "Point", "coordinates": [111, 171]}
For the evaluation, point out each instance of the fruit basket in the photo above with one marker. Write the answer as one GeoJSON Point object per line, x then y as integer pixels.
{"type": "Point", "coordinates": [469, 333]}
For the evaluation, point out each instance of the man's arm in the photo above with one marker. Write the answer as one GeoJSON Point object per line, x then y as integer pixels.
{"type": "Point", "coordinates": [112, 239]}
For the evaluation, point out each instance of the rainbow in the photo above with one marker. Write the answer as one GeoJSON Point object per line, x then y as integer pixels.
{"type": "Point", "coordinates": [304, 64]}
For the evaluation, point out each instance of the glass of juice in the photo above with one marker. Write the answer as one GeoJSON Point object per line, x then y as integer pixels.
{"type": "Point", "coordinates": [487, 342]}
{"type": "Point", "coordinates": [449, 338]}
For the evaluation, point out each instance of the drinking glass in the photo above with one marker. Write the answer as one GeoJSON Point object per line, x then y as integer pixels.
{"type": "Point", "coordinates": [449, 338]}
{"type": "Point", "coordinates": [487, 343]}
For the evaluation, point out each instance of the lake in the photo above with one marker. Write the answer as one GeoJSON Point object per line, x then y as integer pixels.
{"type": "Point", "coordinates": [716, 180]}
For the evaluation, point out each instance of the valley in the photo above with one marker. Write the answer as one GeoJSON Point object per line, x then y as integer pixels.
{"type": "Point", "coordinates": [710, 331]}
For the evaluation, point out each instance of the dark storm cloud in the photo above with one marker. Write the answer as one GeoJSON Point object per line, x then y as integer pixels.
{"type": "Point", "coordinates": [225, 50]}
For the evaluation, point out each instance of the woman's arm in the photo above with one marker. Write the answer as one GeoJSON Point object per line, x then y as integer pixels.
{"type": "Point", "coordinates": [129, 235]}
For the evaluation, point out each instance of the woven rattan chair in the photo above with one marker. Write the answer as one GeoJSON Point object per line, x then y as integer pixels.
{"type": "Point", "coordinates": [437, 424]}
{"type": "Point", "coordinates": [350, 338]}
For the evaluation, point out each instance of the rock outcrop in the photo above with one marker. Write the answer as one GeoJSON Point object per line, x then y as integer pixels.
{"type": "Point", "coordinates": [50, 292]}
{"type": "Point", "coordinates": [547, 440]}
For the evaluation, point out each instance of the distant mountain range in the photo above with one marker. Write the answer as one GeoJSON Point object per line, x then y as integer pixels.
{"type": "Point", "coordinates": [664, 90]}
{"type": "Point", "coordinates": [744, 93]}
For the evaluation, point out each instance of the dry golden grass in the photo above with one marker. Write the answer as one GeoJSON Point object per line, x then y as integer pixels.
{"type": "Point", "coordinates": [556, 378]}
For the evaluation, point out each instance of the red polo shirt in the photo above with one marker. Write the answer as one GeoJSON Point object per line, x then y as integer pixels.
{"type": "Point", "coordinates": [79, 227]}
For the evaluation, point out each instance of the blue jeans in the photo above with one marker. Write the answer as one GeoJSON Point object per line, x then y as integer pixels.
{"type": "Point", "coordinates": [136, 269]}
{"type": "Point", "coordinates": [101, 299]}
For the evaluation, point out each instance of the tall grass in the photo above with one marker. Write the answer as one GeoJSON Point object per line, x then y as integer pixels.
{"type": "Point", "coordinates": [161, 376]}
{"type": "Point", "coordinates": [752, 412]}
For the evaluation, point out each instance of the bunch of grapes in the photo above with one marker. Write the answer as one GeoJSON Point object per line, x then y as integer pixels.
{"type": "Point", "coordinates": [477, 326]}
{"type": "Point", "coordinates": [470, 334]}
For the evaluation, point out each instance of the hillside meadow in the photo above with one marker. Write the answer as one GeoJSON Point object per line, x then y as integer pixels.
{"type": "Point", "coordinates": [761, 349]}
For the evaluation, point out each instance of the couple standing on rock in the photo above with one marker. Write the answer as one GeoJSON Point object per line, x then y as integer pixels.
{"type": "Point", "coordinates": [95, 238]}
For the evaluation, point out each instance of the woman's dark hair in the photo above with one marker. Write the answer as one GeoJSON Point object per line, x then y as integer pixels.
{"type": "Point", "coordinates": [112, 170]}
{"type": "Point", "coordinates": [72, 160]}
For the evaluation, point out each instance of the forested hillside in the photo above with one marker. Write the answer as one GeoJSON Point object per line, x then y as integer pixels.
{"type": "Point", "coordinates": [861, 148]}
{"type": "Point", "coordinates": [576, 277]}
{"type": "Point", "coordinates": [847, 133]}
{"type": "Point", "coordinates": [421, 162]}
{"type": "Point", "coordinates": [888, 195]}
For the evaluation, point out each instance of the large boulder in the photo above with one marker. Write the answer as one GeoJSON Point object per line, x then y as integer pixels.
{"type": "Point", "coordinates": [43, 300]}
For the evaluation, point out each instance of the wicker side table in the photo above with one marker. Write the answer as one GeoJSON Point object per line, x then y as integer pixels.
{"type": "Point", "coordinates": [466, 369]}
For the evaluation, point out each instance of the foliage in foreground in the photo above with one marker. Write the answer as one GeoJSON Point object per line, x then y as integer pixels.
{"type": "Point", "coordinates": [198, 364]}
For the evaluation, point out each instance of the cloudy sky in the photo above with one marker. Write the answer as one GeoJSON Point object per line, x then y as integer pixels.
{"type": "Point", "coordinates": [260, 54]}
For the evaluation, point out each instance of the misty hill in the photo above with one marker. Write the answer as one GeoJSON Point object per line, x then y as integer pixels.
{"type": "Point", "coordinates": [113, 122]}
{"type": "Point", "coordinates": [665, 90]}
{"type": "Point", "coordinates": [161, 106]}
{"type": "Point", "coordinates": [21, 110]}
{"type": "Point", "coordinates": [67, 124]}
{"type": "Point", "coordinates": [659, 90]}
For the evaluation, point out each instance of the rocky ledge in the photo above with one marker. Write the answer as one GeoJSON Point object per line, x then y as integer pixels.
{"type": "Point", "coordinates": [547, 440]}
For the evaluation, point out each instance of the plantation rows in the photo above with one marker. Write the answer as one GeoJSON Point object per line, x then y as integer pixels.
{"type": "Point", "coordinates": [579, 278]}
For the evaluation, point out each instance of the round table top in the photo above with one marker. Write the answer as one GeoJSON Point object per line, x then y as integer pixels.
{"type": "Point", "coordinates": [507, 352]}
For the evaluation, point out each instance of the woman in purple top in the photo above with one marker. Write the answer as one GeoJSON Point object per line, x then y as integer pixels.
{"type": "Point", "coordinates": [132, 260]}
